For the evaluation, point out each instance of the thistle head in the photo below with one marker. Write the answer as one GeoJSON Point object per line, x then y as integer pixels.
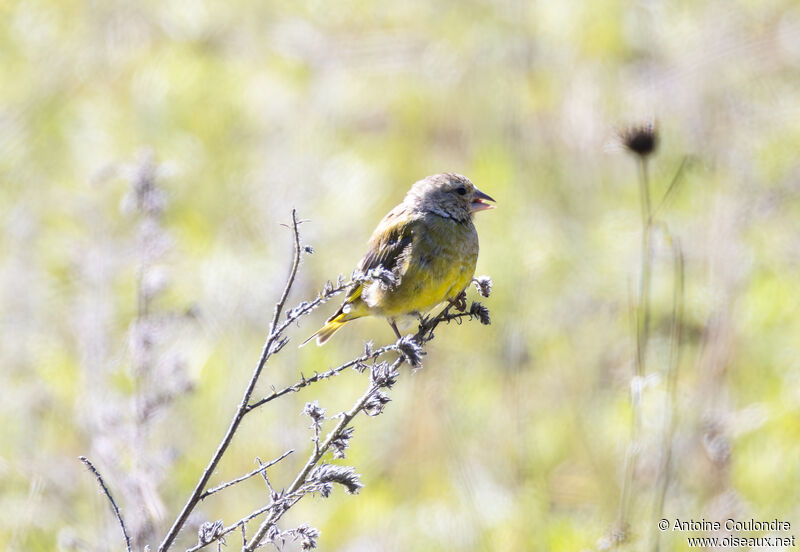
{"type": "Point", "coordinates": [641, 140]}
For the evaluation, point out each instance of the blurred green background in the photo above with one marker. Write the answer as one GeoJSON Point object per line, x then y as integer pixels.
{"type": "Point", "coordinates": [513, 436]}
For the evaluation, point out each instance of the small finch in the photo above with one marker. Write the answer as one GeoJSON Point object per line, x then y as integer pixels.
{"type": "Point", "coordinates": [422, 253]}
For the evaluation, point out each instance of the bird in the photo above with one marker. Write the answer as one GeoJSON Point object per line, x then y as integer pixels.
{"type": "Point", "coordinates": [426, 249]}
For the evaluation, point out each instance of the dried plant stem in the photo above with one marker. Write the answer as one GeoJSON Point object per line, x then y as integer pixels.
{"type": "Point", "coordinates": [246, 476]}
{"type": "Point", "coordinates": [642, 330]}
{"type": "Point", "coordinates": [304, 382]}
{"type": "Point", "coordinates": [670, 398]}
{"type": "Point", "coordinates": [313, 460]}
{"type": "Point", "coordinates": [642, 338]}
{"type": "Point", "coordinates": [110, 499]}
{"type": "Point", "coordinates": [444, 316]}
{"type": "Point", "coordinates": [269, 347]}
{"type": "Point", "coordinates": [645, 276]}
{"type": "Point", "coordinates": [292, 273]}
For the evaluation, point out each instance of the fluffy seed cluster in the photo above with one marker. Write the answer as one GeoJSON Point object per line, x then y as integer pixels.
{"type": "Point", "coordinates": [314, 411]}
{"type": "Point", "coordinates": [386, 278]}
{"type": "Point", "coordinates": [305, 534]}
{"type": "Point", "coordinates": [480, 312]}
{"type": "Point", "coordinates": [376, 403]}
{"type": "Point", "coordinates": [325, 475]}
{"type": "Point", "coordinates": [209, 531]}
{"type": "Point", "coordinates": [384, 374]}
{"type": "Point", "coordinates": [330, 289]}
{"type": "Point", "coordinates": [411, 350]}
{"type": "Point", "coordinates": [484, 285]}
{"type": "Point", "coordinates": [341, 442]}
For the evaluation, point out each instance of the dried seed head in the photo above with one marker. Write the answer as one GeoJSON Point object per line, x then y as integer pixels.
{"type": "Point", "coordinates": [209, 531]}
{"type": "Point", "coordinates": [484, 285]}
{"type": "Point", "coordinates": [274, 534]}
{"type": "Point", "coordinates": [384, 375]}
{"type": "Point", "coordinates": [411, 350]}
{"type": "Point", "coordinates": [277, 345]}
{"type": "Point", "coordinates": [314, 411]}
{"type": "Point", "coordinates": [376, 403]}
{"type": "Point", "coordinates": [325, 474]}
{"type": "Point", "coordinates": [306, 534]}
{"type": "Point", "coordinates": [641, 139]}
{"type": "Point", "coordinates": [386, 278]}
{"type": "Point", "coordinates": [480, 312]}
{"type": "Point", "coordinates": [341, 442]}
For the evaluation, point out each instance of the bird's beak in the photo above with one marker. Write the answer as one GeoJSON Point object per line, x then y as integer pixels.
{"type": "Point", "coordinates": [479, 200]}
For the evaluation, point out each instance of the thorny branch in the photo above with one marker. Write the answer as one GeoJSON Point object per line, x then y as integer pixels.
{"type": "Point", "coordinates": [315, 477]}
{"type": "Point", "coordinates": [110, 499]}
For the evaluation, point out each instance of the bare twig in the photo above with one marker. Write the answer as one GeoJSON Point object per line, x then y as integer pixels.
{"type": "Point", "coordinates": [305, 382]}
{"type": "Point", "coordinates": [264, 475]}
{"type": "Point", "coordinates": [292, 273]}
{"type": "Point", "coordinates": [268, 349]}
{"type": "Point", "coordinates": [245, 477]}
{"type": "Point", "coordinates": [309, 306]}
{"type": "Point", "coordinates": [110, 499]}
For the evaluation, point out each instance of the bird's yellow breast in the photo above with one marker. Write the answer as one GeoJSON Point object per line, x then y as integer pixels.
{"type": "Point", "coordinates": [437, 266]}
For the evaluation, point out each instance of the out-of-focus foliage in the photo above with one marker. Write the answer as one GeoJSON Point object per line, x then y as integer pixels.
{"type": "Point", "coordinates": [513, 436]}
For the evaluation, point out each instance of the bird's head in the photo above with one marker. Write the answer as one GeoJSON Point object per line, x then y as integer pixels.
{"type": "Point", "coordinates": [449, 195]}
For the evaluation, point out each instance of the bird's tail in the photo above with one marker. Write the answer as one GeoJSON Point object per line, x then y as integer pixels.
{"type": "Point", "coordinates": [325, 332]}
{"type": "Point", "coordinates": [339, 319]}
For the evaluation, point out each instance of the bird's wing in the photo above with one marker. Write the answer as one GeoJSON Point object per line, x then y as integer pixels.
{"type": "Point", "coordinates": [387, 246]}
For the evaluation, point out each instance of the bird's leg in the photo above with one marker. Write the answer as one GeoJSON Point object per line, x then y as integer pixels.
{"type": "Point", "coordinates": [423, 320]}
{"type": "Point", "coordinates": [396, 331]}
{"type": "Point", "coordinates": [459, 302]}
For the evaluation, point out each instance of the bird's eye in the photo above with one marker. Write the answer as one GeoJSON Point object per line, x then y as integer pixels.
{"type": "Point", "coordinates": [461, 190]}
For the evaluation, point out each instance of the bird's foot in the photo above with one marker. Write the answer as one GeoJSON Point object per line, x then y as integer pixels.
{"type": "Point", "coordinates": [460, 302]}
